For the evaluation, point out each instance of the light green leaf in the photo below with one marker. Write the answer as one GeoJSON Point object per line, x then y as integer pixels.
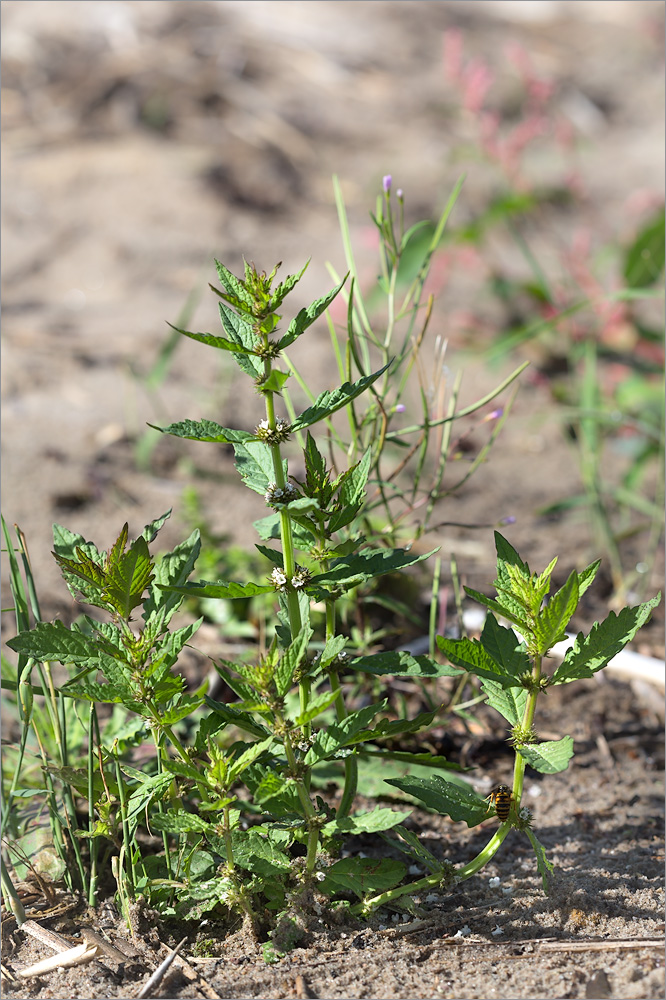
{"type": "Point", "coordinates": [591, 653]}
{"type": "Point", "coordinates": [333, 646]}
{"type": "Point", "coordinates": [255, 465]}
{"type": "Point", "coordinates": [179, 822]}
{"type": "Point", "coordinates": [290, 660]}
{"type": "Point", "coordinates": [505, 649]}
{"type": "Point", "coordinates": [172, 569]}
{"type": "Point", "coordinates": [552, 620]}
{"type": "Point", "coordinates": [275, 381]}
{"type": "Point", "coordinates": [544, 866]}
{"type": "Point", "coordinates": [316, 707]}
{"type": "Point", "coordinates": [328, 741]}
{"type": "Point", "coordinates": [509, 702]}
{"type": "Point", "coordinates": [128, 577]}
{"type": "Point", "coordinates": [328, 402]}
{"type": "Point", "coordinates": [239, 764]}
{"type": "Point", "coordinates": [549, 757]}
{"type": "Point", "coordinates": [378, 819]}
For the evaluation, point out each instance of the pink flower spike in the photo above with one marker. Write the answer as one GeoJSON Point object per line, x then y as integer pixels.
{"type": "Point", "coordinates": [386, 183]}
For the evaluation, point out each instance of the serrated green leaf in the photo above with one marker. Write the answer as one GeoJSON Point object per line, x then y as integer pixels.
{"type": "Point", "coordinates": [315, 707]}
{"type": "Point", "coordinates": [240, 332]}
{"type": "Point", "coordinates": [333, 646]}
{"type": "Point", "coordinates": [505, 649]}
{"type": "Point", "coordinates": [255, 465]}
{"type": "Point", "coordinates": [225, 591]}
{"type": "Point", "coordinates": [431, 760]}
{"type": "Point", "coordinates": [587, 576]}
{"type": "Point", "coordinates": [179, 822]}
{"type": "Point", "coordinates": [235, 718]}
{"type": "Point", "coordinates": [128, 575]}
{"type": "Point", "coordinates": [186, 705]}
{"type": "Point", "coordinates": [386, 728]}
{"type": "Point", "coordinates": [473, 658]}
{"type": "Point", "coordinates": [458, 801]}
{"type": "Point", "coordinates": [553, 619]}
{"type": "Point", "coordinates": [106, 694]}
{"type": "Point", "coordinates": [53, 641]}
{"type": "Point", "coordinates": [328, 402]}
{"type": "Point", "coordinates": [378, 819]}
{"type": "Point", "coordinates": [275, 381]}
{"type": "Point", "coordinates": [151, 530]}
{"type": "Point", "coordinates": [328, 741]}
{"type": "Point", "coordinates": [248, 757]}
{"type": "Point", "coordinates": [290, 660]}
{"type": "Point", "coordinates": [205, 430]}
{"type": "Point", "coordinates": [512, 572]}
{"type": "Point", "coordinates": [509, 702]}
{"type": "Point", "coordinates": [352, 488]}
{"type": "Point", "coordinates": [549, 757]}
{"type": "Point", "coordinates": [501, 609]}
{"type": "Point", "coordinates": [605, 640]}
{"type": "Point", "coordinates": [221, 343]}
{"type": "Point", "coordinates": [257, 853]}
{"type": "Point", "coordinates": [307, 316]}
{"type": "Point", "coordinates": [367, 564]}
{"type": "Point", "coordinates": [362, 876]}
{"type": "Point", "coordinates": [172, 569]}
{"type": "Point", "coordinates": [233, 285]}
{"type": "Point", "coordinates": [402, 664]}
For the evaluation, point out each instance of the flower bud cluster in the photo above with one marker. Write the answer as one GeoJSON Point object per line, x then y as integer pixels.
{"type": "Point", "coordinates": [276, 494]}
{"type": "Point", "coordinates": [272, 435]}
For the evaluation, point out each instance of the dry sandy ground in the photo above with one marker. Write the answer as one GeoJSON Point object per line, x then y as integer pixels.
{"type": "Point", "coordinates": [142, 139]}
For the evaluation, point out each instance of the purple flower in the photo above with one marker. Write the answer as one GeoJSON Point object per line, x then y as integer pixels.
{"type": "Point", "coordinates": [386, 183]}
{"type": "Point", "coordinates": [400, 194]}
{"type": "Point", "coordinates": [400, 408]}
{"type": "Point", "coordinates": [508, 520]}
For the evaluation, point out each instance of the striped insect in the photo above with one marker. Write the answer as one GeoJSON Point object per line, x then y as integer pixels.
{"type": "Point", "coordinates": [501, 799]}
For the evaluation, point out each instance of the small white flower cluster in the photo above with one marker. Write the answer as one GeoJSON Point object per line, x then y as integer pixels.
{"type": "Point", "coordinates": [300, 579]}
{"type": "Point", "coordinates": [272, 435]}
{"type": "Point", "coordinates": [279, 579]}
{"type": "Point", "coordinates": [275, 494]}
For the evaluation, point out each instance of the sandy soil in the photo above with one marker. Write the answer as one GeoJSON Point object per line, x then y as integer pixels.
{"type": "Point", "coordinates": [142, 139]}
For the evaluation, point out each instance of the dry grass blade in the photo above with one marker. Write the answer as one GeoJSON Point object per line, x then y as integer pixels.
{"type": "Point", "coordinates": [158, 975]}
{"type": "Point", "coordinates": [80, 955]}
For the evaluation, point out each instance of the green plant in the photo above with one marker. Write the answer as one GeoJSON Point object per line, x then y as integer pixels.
{"type": "Point", "coordinates": [264, 851]}
{"type": "Point", "coordinates": [510, 664]}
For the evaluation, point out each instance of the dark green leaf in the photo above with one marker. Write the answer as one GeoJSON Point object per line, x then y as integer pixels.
{"type": "Point", "coordinates": [307, 316]}
{"type": "Point", "coordinates": [179, 822]}
{"type": "Point", "coordinates": [362, 876]}
{"type": "Point", "coordinates": [328, 402]}
{"type": "Point", "coordinates": [222, 590]}
{"type": "Point", "coordinates": [472, 657]}
{"type": "Point", "coordinates": [236, 718]}
{"type": "Point", "coordinates": [415, 759]}
{"type": "Point", "coordinates": [52, 641]}
{"type": "Point", "coordinates": [504, 647]}
{"type": "Point", "coordinates": [544, 866]}
{"type": "Point", "coordinates": [205, 430]}
{"type": "Point", "coordinates": [367, 564]}
{"type": "Point", "coordinates": [342, 733]}
{"type": "Point", "coordinates": [458, 801]}
{"type": "Point", "coordinates": [172, 569]}
{"type": "Point", "coordinates": [591, 653]}
{"type": "Point", "coordinates": [221, 343]}
{"type": "Point", "coordinates": [402, 664]}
